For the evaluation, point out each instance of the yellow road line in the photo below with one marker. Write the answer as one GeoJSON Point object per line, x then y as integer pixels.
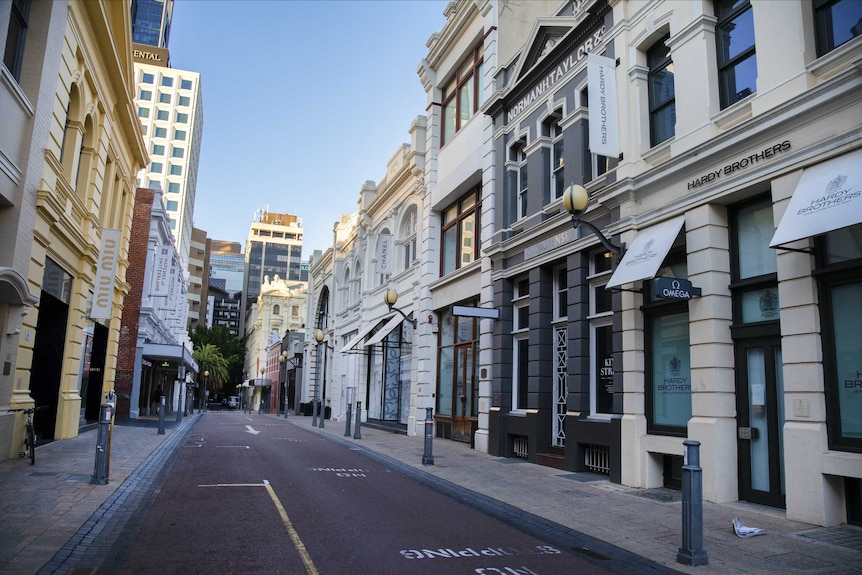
{"type": "Point", "coordinates": [294, 536]}
{"type": "Point", "coordinates": [288, 525]}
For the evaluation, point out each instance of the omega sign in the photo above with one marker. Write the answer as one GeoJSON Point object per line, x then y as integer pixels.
{"type": "Point", "coordinates": [673, 288]}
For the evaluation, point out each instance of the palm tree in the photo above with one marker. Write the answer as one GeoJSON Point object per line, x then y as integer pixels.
{"type": "Point", "coordinates": [210, 359]}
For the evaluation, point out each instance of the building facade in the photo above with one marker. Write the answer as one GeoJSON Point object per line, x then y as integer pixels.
{"type": "Point", "coordinates": [199, 273]}
{"type": "Point", "coordinates": [75, 203]}
{"type": "Point", "coordinates": [151, 22]}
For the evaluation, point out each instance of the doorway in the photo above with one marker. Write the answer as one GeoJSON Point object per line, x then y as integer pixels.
{"type": "Point", "coordinates": [465, 406]}
{"type": "Point", "coordinates": [760, 420]}
{"type": "Point", "coordinates": [47, 365]}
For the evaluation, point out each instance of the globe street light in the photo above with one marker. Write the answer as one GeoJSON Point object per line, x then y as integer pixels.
{"type": "Point", "coordinates": [575, 201]}
{"type": "Point", "coordinates": [321, 377]}
{"type": "Point", "coordinates": [391, 298]}
{"type": "Point", "coordinates": [203, 404]}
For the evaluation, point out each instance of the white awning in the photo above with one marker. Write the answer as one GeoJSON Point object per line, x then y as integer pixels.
{"type": "Point", "coordinates": [646, 253]}
{"type": "Point", "coordinates": [828, 197]}
{"type": "Point", "coordinates": [393, 322]}
{"type": "Point", "coordinates": [359, 336]}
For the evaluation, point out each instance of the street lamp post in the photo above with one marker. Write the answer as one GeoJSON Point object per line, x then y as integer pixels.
{"type": "Point", "coordinates": [575, 201]}
{"type": "Point", "coordinates": [391, 298]}
{"type": "Point", "coordinates": [321, 378]}
{"type": "Point", "coordinates": [282, 377]}
{"type": "Point", "coordinates": [260, 401]}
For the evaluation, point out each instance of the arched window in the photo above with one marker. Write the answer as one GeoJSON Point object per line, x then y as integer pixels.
{"type": "Point", "coordinates": [408, 238]}
{"type": "Point", "coordinates": [276, 309]}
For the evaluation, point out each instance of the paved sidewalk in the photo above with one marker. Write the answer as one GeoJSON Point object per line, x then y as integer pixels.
{"type": "Point", "coordinates": [52, 518]}
{"type": "Point", "coordinates": [644, 522]}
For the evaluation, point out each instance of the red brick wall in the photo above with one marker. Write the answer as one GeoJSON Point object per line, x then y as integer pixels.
{"type": "Point", "coordinates": [138, 242]}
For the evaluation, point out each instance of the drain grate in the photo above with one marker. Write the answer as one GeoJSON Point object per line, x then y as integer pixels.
{"type": "Point", "coordinates": [844, 535]}
{"type": "Point", "coordinates": [660, 494]}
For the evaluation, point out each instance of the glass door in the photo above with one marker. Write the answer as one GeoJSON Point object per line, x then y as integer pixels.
{"type": "Point", "coordinates": [465, 399]}
{"type": "Point", "coordinates": [760, 413]}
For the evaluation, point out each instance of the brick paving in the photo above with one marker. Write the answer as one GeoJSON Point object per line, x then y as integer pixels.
{"type": "Point", "coordinates": [53, 520]}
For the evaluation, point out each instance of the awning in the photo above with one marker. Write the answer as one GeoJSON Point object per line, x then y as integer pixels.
{"type": "Point", "coordinates": [359, 336]}
{"type": "Point", "coordinates": [646, 253]}
{"type": "Point", "coordinates": [170, 352]}
{"type": "Point", "coordinates": [828, 197]}
{"type": "Point", "coordinates": [393, 322]}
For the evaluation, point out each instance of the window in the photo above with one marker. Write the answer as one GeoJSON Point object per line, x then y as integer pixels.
{"type": "Point", "coordinates": [836, 22]}
{"type": "Point", "coordinates": [158, 149]}
{"type": "Point", "coordinates": [460, 239]}
{"type": "Point", "coordinates": [172, 205]}
{"type": "Point", "coordinates": [163, 115]}
{"type": "Point", "coordinates": [143, 112]}
{"type": "Point", "coordinates": [156, 167]}
{"type": "Point", "coordinates": [13, 56]}
{"type": "Point", "coordinates": [177, 152]}
{"type": "Point", "coordinates": [145, 95]}
{"type": "Point", "coordinates": [167, 81]}
{"type": "Point", "coordinates": [176, 170]}
{"type": "Point", "coordinates": [670, 372]}
{"type": "Point", "coordinates": [408, 234]}
{"type": "Point", "coordinates": [461, 96]}
{"type": "Point", "coordinates": [561, 293]}
{"type": "Point", "coordinates": [555, 132]}
{"type": "Point", "coordinates": [662, 100]}
{"type": "Point", "coordinates": [147, 78]}
{"type": "Point", "coordinates": [144, 129]}
{"type": "Point", "coordinates": [601, 336]}
{"type": "Point", "coordinates": [161, 133]}
{"type": "Point", "coordinates": [737, 61]}
{"type": "Point", "coordinates": [520, 343]}
{"type": "Point", "coordinates": [173, 188]}
{"type": "Point", "coordinates": [839, 264]}
{"type": "Point", "coordinates": [173, 224]}
{"type": "Point", "coordinates": [182, 118]}
{"type": "Point", "coordinates": [518, 179]}
{"type": "Point", "coordinates": [164, 98]}
{"type": "Point", "coordinates": [179, 135]}
{"type": "Point", "coordinates": [154, 184]}
{"type": "Point", "coordinates": [184, 101]}
{"type": "Point", "coordinates": [186, 84]}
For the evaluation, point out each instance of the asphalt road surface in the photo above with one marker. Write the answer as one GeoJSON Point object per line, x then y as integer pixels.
{"type": "Point", "coordinates": [251, 494]}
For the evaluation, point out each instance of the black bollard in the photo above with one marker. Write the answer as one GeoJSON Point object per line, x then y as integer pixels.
{"type": "Point", "coordinates": [427, 456]}
{"type": "Point", "coordinates": [100, 470]}
{"type": "Point", "coordinates": [358, 433]}
{"type": "Point", "coordinates": [692, 552]}
{"type": "Point", "coordinates": [161, 415]}
{"type": "Point", "coordinates": [179, 404]}
{"type": "Point", "coordinates": [347, 427]}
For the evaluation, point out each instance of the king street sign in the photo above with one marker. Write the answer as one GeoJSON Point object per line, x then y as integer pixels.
{"type": "Point", "coordinates": [673, 288]}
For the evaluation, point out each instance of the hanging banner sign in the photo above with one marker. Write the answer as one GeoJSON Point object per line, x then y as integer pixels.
{"type": "Point", "coordinates": [106, 274]}
{"type": "Point", "coordinates": [604, 117]}
{"type": "Point", "coordinates": [160, 285]}
{"type": "Point", "coordinates": [384, 254]}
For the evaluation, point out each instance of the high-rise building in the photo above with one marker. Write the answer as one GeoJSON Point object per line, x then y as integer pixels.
{"type": "Point", "coordinates": [198, 290]}
{"type": "Point", "coordinates": [151, 22]}
{"type": "Point", "coordinates": [273, 248]}
{"type": "Point", "coordinates": [227, 266]}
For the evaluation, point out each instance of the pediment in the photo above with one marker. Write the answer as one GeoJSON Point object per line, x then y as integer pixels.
{"type": "Point", "coordinates": [547, 34]}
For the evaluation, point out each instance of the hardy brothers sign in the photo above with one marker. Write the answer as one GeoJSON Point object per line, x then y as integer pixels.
{"type": "Point", "coordinates": [739, 164]}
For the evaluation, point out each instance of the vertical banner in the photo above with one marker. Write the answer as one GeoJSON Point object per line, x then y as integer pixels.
{"type": "Point", "coordinates": [106, 274]}
{"type": "Point", "coordinates": [161, 272]}
{"type": "Point", "coordinates": [604, 118]}
{"type": "Point", "coordinates": [170, 303]}
{"type": "Point", "coordinates": [384, 254]}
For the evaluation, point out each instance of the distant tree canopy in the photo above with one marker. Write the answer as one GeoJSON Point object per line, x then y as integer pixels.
{"type": "Point", "coordinates": [230, 348]}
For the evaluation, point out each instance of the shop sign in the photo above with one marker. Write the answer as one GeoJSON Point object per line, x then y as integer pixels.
{"type": "Point", "coordinates": [740, 164]}
{"type": "Point", "coordinates": [673, 288]}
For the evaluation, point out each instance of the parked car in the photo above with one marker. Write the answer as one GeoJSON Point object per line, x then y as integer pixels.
{"type": "Point", "coordinates": [232, 402]}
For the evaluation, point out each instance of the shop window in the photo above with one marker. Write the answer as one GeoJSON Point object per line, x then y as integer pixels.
{"type": "Point", "coordinates": [668, 358]}
{"type": "Point", "coordinates": [601, 336]}
{"type": "Point", "coordinates": [753, 263]}
{"type": "Point", "coordinates": [662, 98]}
{"type": "Point", "coordinates": [16, 35]}
{"type": "Point", "coordinates": [836, 22]}
{"type": "Point", "coordinates": [839, 263]}
{"type": "Point", "coordinates": [520, 344]}
{"type": "Point", "coordinates": [737, 58]}
{"type": "Point", "coordinates": [462, 95]}
{"type": "Point", "coordinates": [460, 241]}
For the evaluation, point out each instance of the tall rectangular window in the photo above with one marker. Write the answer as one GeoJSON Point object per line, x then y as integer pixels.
{"type": "Point", "coordinates": [836, 22]}
{"type": "Point", "coordinates": [460, 101]}
{"type": "Point", "coordinates": [662, 99]}
{"type": "Point", "coordinates": [13, 56]}
{"type": "Point", "coordinates": [460, 240]}
{"type": "Point", "coordinates": [601, 336]}
{"type": "Point", "coordinates": [670, 371]}
{"type": "Point", "coordinates": [520, 344]}
{"type": "Point", "coordinates": [737, 59]}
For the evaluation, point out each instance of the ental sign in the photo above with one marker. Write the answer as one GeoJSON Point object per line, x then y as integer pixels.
{"type": "Point", "coordinates": [673, 288]}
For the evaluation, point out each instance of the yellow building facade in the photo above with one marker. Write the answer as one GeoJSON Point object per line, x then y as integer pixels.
{"type": "Point", "coordinates": [68, 345]}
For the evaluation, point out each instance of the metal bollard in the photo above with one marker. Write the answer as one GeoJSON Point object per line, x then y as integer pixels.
{"type": "Point", "coordinates": [314, 413]}
{"type": "Point", "coordinates": [358, 433]}
{"type": "Point", "coordinates": [692, 552]}
{"type": "Point", "coordinates": [179, 405]}
{"type": "Point", "coordinates": [100, 470]}
{"type": "Point", "coordinates": [161, 416]}
{"type": "Point", "coordinates": [322, 413]}
{"type": "Point", "coordinates": [349, 418]}
{"type": "Point", "coordinates": [427, 456]}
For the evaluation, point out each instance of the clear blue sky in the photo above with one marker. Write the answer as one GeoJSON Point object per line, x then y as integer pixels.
{"type": "Point", "coordinates": [303, 102]}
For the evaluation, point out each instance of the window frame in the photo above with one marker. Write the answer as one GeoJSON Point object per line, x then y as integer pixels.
{"type": "Point", "coordinates": [467, 74]}
{"type": "Point", "coordinates": [726, 68]}
{"type": "Point", "coordinates": [462, 214]}
{"type": "Point", "coordinates": [658, 65]}
{"type": "Point", "coordinates": [823, 36]}
{"type": "Point", "coordinates": [16, 37]}
{"type": "Point", "coordinates": [520, 344]}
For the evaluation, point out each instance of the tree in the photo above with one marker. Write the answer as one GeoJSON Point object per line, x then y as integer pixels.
{"type": "Point", "coordinates": [210, 360]}
{"type": "Point", "coordinates": [232, 350]}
